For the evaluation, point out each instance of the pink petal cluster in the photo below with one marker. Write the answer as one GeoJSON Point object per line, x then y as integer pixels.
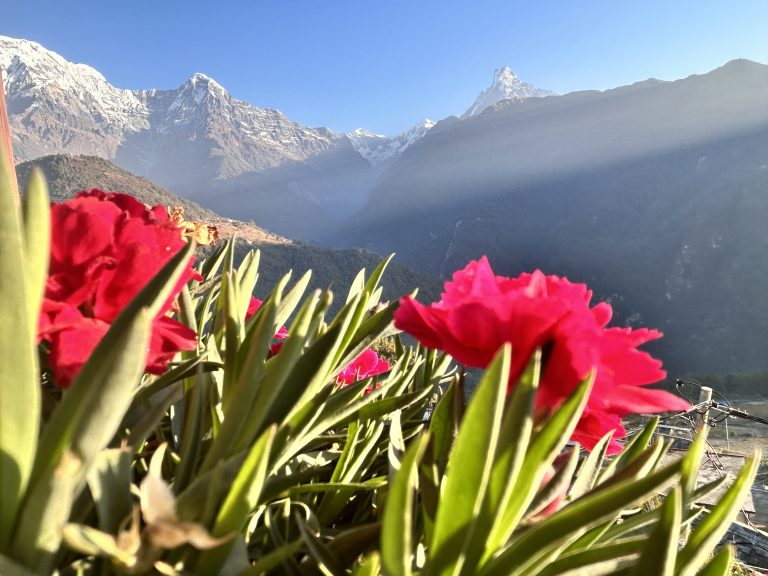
{"type": "Point", "coordinates": [105, 247]}
{"type": "Point", "coordinates": [368, 363]}
{"type": "Point", "coordinates": [480, 311]}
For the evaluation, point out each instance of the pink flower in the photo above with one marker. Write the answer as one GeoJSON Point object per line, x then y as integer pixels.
{"type": "Point", "coordinates": [366, 364]}
{"type": "Point", "coordinates": [105, 247]}
{"type": "Point", "coordinates": [480, 311]}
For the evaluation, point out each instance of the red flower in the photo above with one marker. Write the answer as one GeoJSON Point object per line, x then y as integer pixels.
{"type": "Point", "coordinates": [105, 247]}
{"type": "Point", "coordinates": [480, 311]}
{"type": "Point", "coordinates": [365, 365]}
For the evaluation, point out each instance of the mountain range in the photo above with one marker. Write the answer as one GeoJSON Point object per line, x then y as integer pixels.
{"type": "Point", "coordinates": [655, 194]}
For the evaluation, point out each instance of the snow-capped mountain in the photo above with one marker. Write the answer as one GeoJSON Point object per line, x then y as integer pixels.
{"type": "Point", "coordinates": [197, 140]}
{"type": "Point", "coordinates": [58, 106]}
{"type": "Point", "coordinates": [380, 150]}
{"type": "Point", "coordinates": [506, 85]}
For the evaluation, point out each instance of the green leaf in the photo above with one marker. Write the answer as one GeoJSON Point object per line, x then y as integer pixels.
{"type": "Point", "coordinates": [241, 402]}
{"type": "Point", "coordinates": [109, 481]}
{"type": "Point", "coordinates": [660, 551]}
{"type": "Point", "coordinates": [37, 239]}
{"type": "Point", "coordinates": [357, 286]}
{"type": "Point", "coordinates": [631, 450]}
{"type": "Point", "coordinates": [720, 565]}
{"type": "Point", "coordinates": [469, 471]}
{"type": "Point", "coordinates": [369, 566]}
{"type": "Point", "coordinates": [713, 527]}
{"type": "Point", "coordinates": [615, 551]}
{"type": "Point", "coordinates": [397, 520]}
{"type": "Point", "coordinates": [547, 443]}
{"type": "Point", "coordinates": [273, 559]}
{"type": "Point", "coordinates": [557, 485]}
{"type": "Point", "coordinates": [352, 543]}
{"type": "Point", "coordinates": [540, 541]}
{"type": "Point", "coordinates": [587, 475]}
{"type": "Point", "coordinates": [212, 264]}
{"type": "Point", "coordinates": [286, 375]}
{"type": "Point", "coordinates": [326, 560]}
{"type": "Point", "coordinates": [443, 427]}
{"type": "Point", "coordinates": [320, 487]}
{"type": "Point", "coordinates": [516, 431]}
{"type": "Point", "coordinates": [247, 276]}
{"type": "Point", "coordinates": [192, 432]}
{"type": "Point", "coordinates": [240, 501]}
{"type": "Point", "coordinates": [378, 272]}
{"type": "Point", "coordinates": [96, 402]}
{"type": "Point", "coordinates": [19, 375]}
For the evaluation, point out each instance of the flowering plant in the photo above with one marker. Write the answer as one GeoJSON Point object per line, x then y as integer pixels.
{"type": "Point", "coordinates": [480, 311]}
{"type": "Point", "coordinates": [105, 247]}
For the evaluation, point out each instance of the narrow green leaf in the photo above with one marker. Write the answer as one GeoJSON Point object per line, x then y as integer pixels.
{"type": "Point", "coordinates": [441, 428]}
{"type": "Point", "coordinates": [287, 303]}
{"type": "Point", "coordinates": [357, 286]}
{"type": "Point", "coordinates": [660, 551]}
{"type": "Point", "coordinates": [192, 432]}
{"type": "Point", "coordinates": [557, 485]}
{"type": "Point", "coordinates": [19, 376]}
{"type": "Point", "coordinates": [713, 527]}
{"type": "Point", "coordinates": [240, 501]}
{"type": "Point", "coordinates": [37, 239]}
{"type": "Point", "coordinates": [631, 450]}
{"type": "Point", "coordinates": [246, 389]}
{"type": "Point", "coordinates": [274, 559]}
{"type": "Point", "coordinates": [469, 471]}
{"type": "Point", "coordinates": [320, 487]}
{"type": "Point", "coordinates": [587, 475]}
{"type": "Point", "coordinates": [516, 431]}
{"type": "Point", "coordinates": [542, 539]}
{"type": "Point", "coordinates": [326, 560]}
{"type": "Point", "coordinates": [247, 276]}
{"type": "Point", "coordinates": [369, 566]}
{"type": "Point", "coordinates": [596, 555]}
{"type": "Point", "coordinates": [211, 265]}
{"type": "Point", "coordinates": [96, 401]}
{"type": "Point", "coordinates": [720, 565]}
{"type": "Point", "coordinates": [283, 381]}
{"type": "Point", "coordinates": [542, 450]}
{"type": "Point", "coordinates": [378, 272]}
{"type": "Point", "coordinates": [352, 543]}
{"type": "Point", "coordinates": [397, 520]}
{"type": "Point", "coordinates": [109, 481]}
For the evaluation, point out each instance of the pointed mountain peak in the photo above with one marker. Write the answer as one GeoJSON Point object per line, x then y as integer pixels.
{"type": "Point", "coordinates": [198, 79]}
{"type": "Point", "coordinates": [506, 85]}
{"type": "Point", "coordinates": [504, 75]}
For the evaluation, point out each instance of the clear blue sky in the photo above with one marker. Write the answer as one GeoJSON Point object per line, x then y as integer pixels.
{"type": "Point", "coordinates": [387, 64]}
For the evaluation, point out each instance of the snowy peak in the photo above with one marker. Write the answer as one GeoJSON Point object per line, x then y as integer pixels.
{"type": "Point", "coordinates": [381, 150]}
{"type": "Point", "coordinates": [506, 85]}
{"type": "Point", "coordinates": [58, 106]}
